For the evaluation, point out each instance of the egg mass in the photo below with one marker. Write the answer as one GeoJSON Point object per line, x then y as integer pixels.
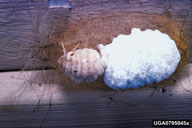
{"type": "Point", "coordinates": [139, 59]}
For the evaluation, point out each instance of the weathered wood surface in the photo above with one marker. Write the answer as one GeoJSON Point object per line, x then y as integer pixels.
{"type": "Point", "coordinates": [23, 24]}
{"type": "Point", "coordinates": [28, 100]}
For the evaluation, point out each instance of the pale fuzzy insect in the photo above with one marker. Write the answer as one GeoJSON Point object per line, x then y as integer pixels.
{"type": "Point", "coordinates": [81, 65]}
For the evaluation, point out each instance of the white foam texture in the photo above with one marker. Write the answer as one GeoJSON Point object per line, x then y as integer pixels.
{"type": "Point", "coordinates": [139, 59]}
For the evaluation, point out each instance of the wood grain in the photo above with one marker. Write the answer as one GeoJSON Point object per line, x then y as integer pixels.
{"type": "Point", "coordinates": [25, 25]}
{"type": "Point", "coordinates": [40, 99]}
{"type": "Point", "coordinates": [28, 100]}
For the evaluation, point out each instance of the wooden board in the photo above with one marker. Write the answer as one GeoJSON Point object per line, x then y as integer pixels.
{"type": "Point", "coordinates": [29, 99]}
{"type": "Point", "coordinates": [25, 25]}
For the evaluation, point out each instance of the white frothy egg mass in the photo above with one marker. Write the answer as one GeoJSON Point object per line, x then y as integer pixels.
{"type": "Point", "coordinates": [139, 59]}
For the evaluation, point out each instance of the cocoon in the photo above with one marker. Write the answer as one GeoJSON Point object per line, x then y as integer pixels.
{"type": "Point", "coordinates": [139, 59]}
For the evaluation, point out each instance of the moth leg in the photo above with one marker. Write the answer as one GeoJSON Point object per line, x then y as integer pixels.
{"type": "Point", "coordinates": [64, 52]}
{"type": "Point", "coordinates": [75, 47]}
